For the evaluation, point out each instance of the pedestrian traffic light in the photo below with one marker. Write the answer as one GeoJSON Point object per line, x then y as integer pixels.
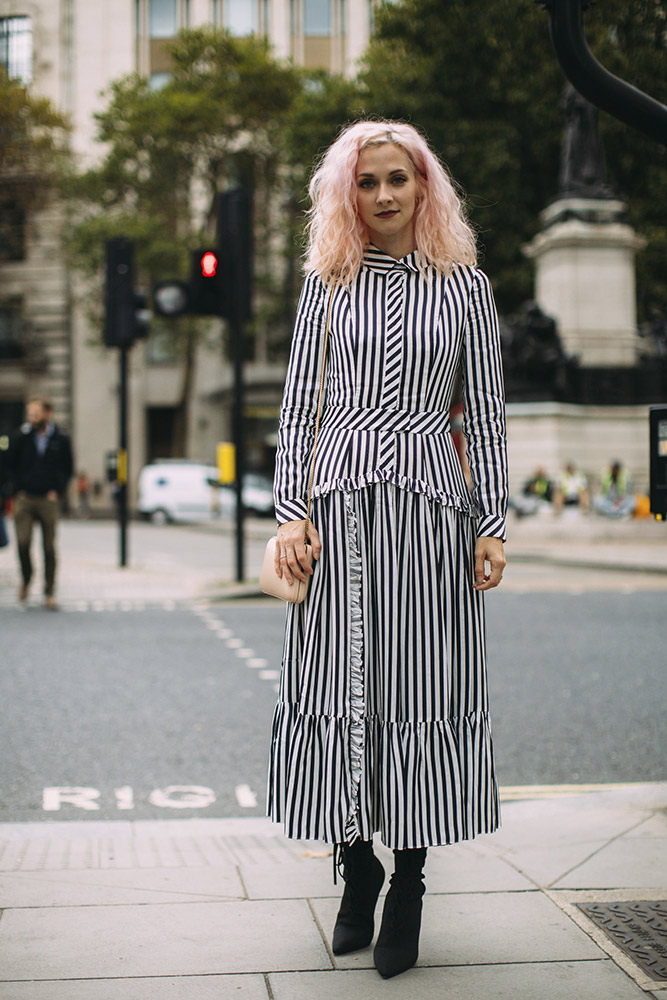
{"type": "Point", "coordinates": [658, 461]}
{"type": "Point", "coordinates": [119, 302]}
{"type": "Point", "coordinates": [126, 316]}
{"type": "Point", "coordinates": [206, 285]}
{"type": "Point", "coordinates": [235, 243]}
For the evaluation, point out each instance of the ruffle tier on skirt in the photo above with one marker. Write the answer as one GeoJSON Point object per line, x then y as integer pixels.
{"type": "Point", "coordinates": [382, 720]}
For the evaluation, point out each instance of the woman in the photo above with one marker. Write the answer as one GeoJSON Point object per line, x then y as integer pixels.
{"type": "Point", "coordinates": [382, 719]}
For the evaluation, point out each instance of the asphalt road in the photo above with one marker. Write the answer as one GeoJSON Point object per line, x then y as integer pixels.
{"type": "Point", "coordinates": [143, 714]}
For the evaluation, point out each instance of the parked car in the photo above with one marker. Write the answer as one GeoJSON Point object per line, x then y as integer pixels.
{"type": "Point", "coordinates": [257, 496]}
{"type": "Point", "coordinates": [179, 491]}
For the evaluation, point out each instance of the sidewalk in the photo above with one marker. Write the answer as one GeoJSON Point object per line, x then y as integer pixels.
{"type": "Point", "coordinates": [185, 563]}
{"type": "Point", "coordinates": [207, 908]}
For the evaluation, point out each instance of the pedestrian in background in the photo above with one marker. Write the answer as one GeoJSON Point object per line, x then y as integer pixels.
{"type": "Point", "coordinates": [615, 498]}
{"type": "Point", "coordinates": [572, 490]}
{"type": "Point", "coordinates": [39, 463]}
{"type": "Point", "coordinates": [382, 722]}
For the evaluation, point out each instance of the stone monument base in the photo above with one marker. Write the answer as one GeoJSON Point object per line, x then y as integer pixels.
{"type": "Point", "coordinates": [549, 434]}
{"type": "Point", "coordinates": [585, 279]}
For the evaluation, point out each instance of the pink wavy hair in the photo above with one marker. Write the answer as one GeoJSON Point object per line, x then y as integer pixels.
{"type": "Point", "coordinates": [337, 237]}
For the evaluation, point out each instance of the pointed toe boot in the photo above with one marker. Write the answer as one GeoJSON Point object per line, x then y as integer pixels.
{"type": "Point", "coordinates": [364, 877]}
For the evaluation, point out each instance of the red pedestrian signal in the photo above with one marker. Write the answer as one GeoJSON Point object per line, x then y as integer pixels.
{"type": "Point", "coordinates": [209, 264]}
{"type": "Point", "coordinates": [205, 289]}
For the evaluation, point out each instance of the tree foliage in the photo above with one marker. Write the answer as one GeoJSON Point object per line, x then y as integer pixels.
{"type": "Point", "coordinates": [480, 77]}
{"type": "Point", "coordinates": [32, 153]}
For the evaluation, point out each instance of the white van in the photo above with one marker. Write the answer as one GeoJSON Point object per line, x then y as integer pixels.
{"type": "Point", "coordinates": [178, 491]}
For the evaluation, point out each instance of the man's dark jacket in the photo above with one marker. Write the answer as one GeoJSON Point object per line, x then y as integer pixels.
{"type": "Point", "coordinates": [37, 474]}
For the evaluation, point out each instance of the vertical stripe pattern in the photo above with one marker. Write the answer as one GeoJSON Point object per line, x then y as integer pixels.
{"type": "Point", "coordinates": [396, 344]}
{"type": "Point", "coordinates": [382, 721]}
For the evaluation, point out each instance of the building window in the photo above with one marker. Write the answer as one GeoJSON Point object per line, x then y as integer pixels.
{"type": "Point", "coordinates": [16, 47]}
{"type": "Point", "coordinates": [157, 81]}
{"type": "Point", "coordinates": [163, 18]}
{"type": "Point", "coordinates": [240, 16]}
{"type": "Point", "coordinates": [317, 17]}
{"type": "Point", "coordinates": [12, 231]}
{"type": "Point", "coordinates": [10, 334]}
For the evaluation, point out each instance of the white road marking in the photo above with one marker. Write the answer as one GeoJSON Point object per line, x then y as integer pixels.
{"type": "Point", "coordinates": [82, 798]}
{"type": "Point", "coordinates": [269, 675]}
{"type": "Point", "coordinates": [245, 797]}
{"type": "Point", "coordinates": [182, 797]}
{"type": "Point", "coordinates": [124, 797]}
{"type": "Point", "coordinates": [245, 653]}
{"type": "Point", "coordinates": [257, 662]}
{"type": "Point", "coordinates": [234, 643]}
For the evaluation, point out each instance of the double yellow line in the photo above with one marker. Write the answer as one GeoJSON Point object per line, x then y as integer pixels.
{"type": "Point", "coordinates": [514, 793]}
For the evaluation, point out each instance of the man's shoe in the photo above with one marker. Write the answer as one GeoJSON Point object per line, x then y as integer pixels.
{"type": "Point", "coordinates": [23, 593]}
{"type": "Point", "coordinates": [51, 602]}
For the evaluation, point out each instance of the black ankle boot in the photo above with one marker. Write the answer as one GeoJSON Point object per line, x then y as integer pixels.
{"type": "Point", "coordinates": [397, 947]}
{"type": "Point", "coordinates": [364, 876]}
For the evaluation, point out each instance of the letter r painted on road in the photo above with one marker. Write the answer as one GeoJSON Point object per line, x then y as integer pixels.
{"type": "Point", "coordinates": [82, 798]}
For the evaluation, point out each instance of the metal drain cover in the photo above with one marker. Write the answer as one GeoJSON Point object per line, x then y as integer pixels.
{"type": "Point", "coordinates": [638, 929]}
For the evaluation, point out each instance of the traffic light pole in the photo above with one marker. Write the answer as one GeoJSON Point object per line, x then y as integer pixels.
{"type": "Point", "coordinates": [122, 456]}
{"type": "Point", "coordinates": [237, 430]}
{"type": "Point", "coordinates": [235, 242]}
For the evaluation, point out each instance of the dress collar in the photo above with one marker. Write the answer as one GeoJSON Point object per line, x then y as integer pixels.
{"type": "Point", "coordinates": [378, 260]}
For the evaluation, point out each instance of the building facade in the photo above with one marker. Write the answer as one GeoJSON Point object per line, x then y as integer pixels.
{"type": "Point", "coordinates": [70, 51]}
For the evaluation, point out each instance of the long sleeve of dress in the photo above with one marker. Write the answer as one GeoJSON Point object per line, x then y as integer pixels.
{"type": "Point", "coordinates": [298, 411]}
{"type": "Point", "coordinates": [484, 409]}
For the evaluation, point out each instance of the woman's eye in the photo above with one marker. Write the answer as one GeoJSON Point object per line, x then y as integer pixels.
{"type": "Point", "coordinates": [400, 180]}
{"type": "Point", "coordinates": [367, 183]}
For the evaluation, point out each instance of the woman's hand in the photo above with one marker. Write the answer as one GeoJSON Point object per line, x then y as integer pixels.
{"type": "Point", "coordinates": [291, 549]}
{"type": "Point", "coordinates": [489, 550]}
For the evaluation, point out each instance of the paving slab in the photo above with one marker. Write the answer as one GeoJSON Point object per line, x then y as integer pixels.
{"type": "Point", "coordinates": [545, 864]}
{"type": "Point", "coordinates": [473, 867]}
{"type": "Point", "coordinates": [251, 987]}
{"type": "Point", "coordinates": [89, 888]}
{"type": "Point", "coordinates": [656, 826]}
{"type": "Point", "coordinates": [481, 928]}
{"type": "Point", "coordinates": [593, 980]}
{"type": "Point", "coordinates": [629, 861]}
{"type": "Point", "coordinates": [177, 939]}
{"type": "Point", "coordinates": [459, 868]}
{"type": "Point", "coordinates": [303, 879]}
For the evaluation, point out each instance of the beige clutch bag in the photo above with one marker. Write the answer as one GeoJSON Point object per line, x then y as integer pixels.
{"type": "Point", "coordinates": [269, 581]}
{"type": "Point", "coordinates": [277, 586]}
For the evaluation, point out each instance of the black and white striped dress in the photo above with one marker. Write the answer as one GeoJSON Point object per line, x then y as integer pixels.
{"type": "Point", "coordinates": [382, 720]}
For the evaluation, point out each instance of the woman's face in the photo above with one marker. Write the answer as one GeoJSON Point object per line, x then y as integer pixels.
{"type": "Point", "coordinates": [387, 193]}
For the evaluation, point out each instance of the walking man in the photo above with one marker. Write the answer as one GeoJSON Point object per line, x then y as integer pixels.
{"type": "Point", "coordinates": [40, 466]}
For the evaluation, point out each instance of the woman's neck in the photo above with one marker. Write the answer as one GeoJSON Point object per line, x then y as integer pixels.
{"type": "Point", "coordinates": [397, 247]}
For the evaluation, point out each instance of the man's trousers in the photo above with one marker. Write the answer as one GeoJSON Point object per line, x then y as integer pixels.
{"type": "Point", "coordinates": [27, 510]}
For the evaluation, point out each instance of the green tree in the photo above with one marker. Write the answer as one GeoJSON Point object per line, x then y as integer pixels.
{"type": "Point", "coordinates": [33, 151]}
{"type": "Point", "coordinates": [168, 153]}
{"type": "Point", "coordinates": [323, 104]}
{"type": "Point", "coordinates": [480, 77]}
